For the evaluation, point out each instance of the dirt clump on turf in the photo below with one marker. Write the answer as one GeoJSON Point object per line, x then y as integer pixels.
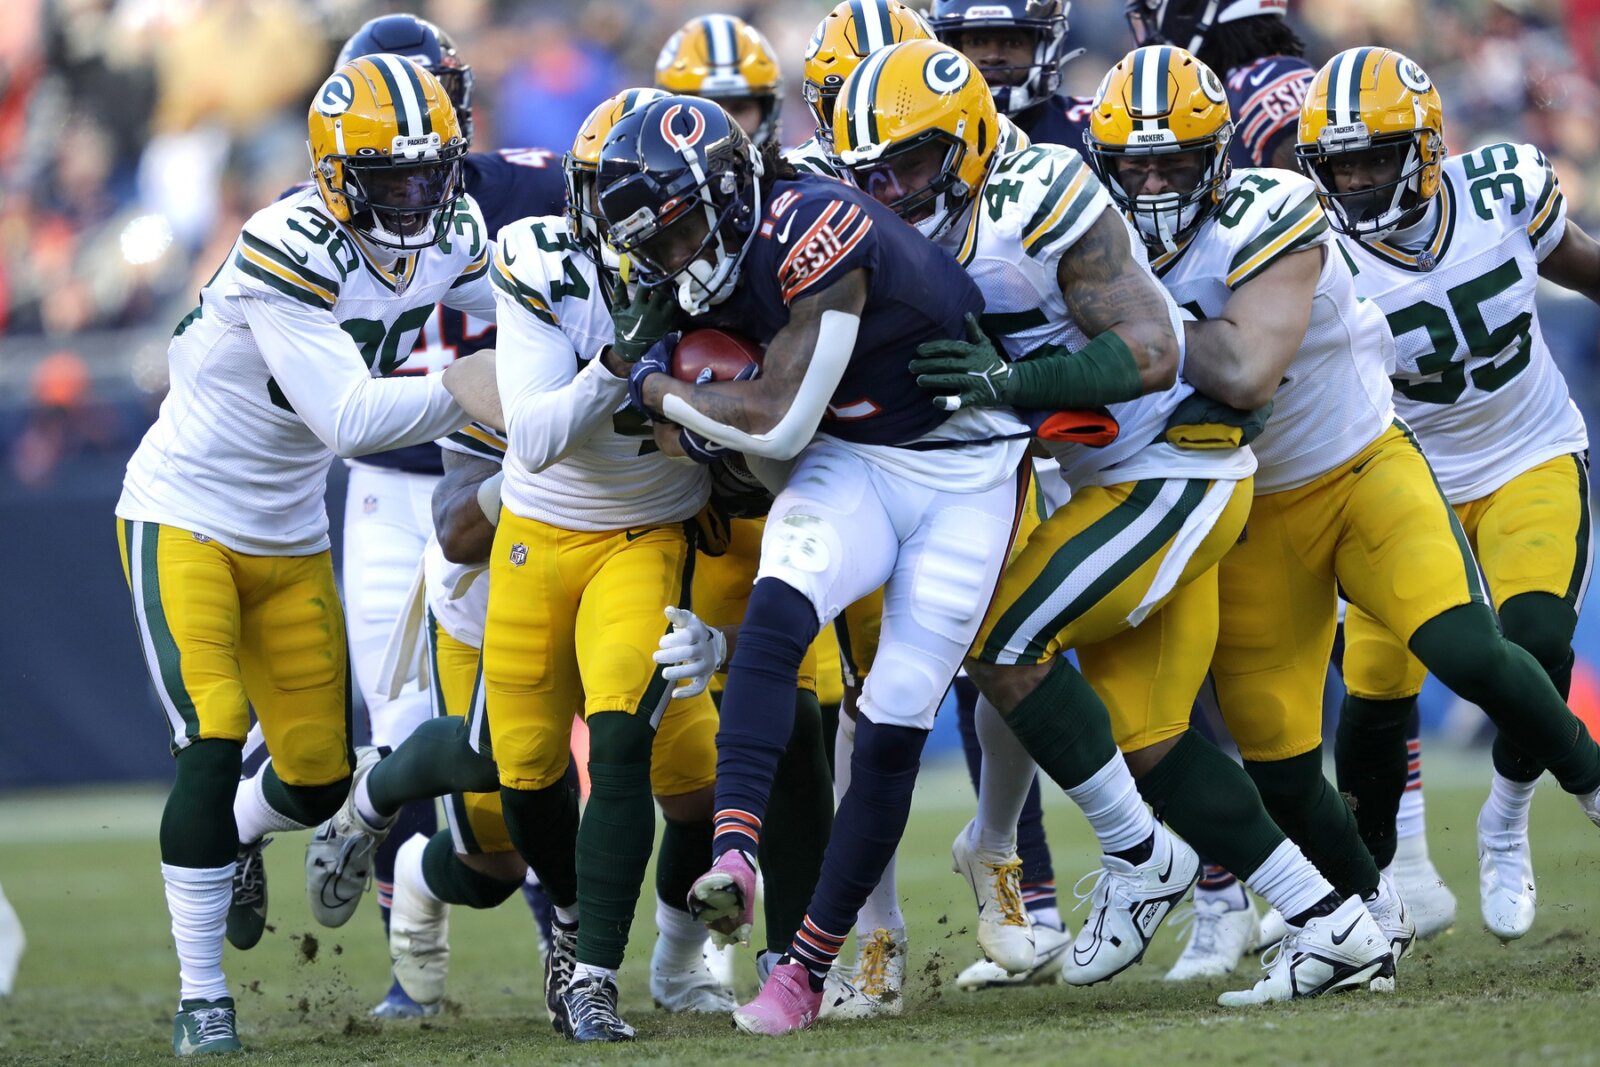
{"type": "Point", "coordinates": [307, 945]}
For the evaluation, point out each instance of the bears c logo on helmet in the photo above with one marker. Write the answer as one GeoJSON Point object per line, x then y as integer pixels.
{"type": "Point", "coordinates": [337, 94]}
{"type": "Point", "coordinates": [680, 139]}
{"type": "Point", "coordinates": [946, 72]}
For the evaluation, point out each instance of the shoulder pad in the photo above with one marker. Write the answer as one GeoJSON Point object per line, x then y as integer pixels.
{"type": "Point", "coordinates": [1045, 196]}
{"type": "Point", "coordinates": [812, 157]}
{"type": "Point", "coordinates": [1515, 183]}
{"type": "Point", "coordinates": [1266, 214]}
{"type": "Point", "coordinates": [294, 248]}
{"type": "Point", "coordinates": [818, 229]}
{"type": "Point", "coordinates": [538, 267]}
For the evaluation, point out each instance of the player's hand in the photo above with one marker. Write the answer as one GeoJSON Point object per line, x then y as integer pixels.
{"type": "Point", "coordinates": [657, 360]}
{"type": "Point", "coordinates": [698, 448]}
{"type": "Point", "coordinates": [970, 373]}
{"type": "Point", "coordinates": [692, 650]}
{"type": "Point", "coordinates": [641, 322]}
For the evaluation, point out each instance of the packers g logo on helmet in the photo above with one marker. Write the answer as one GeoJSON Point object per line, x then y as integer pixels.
{"type": "Point", "coordinates": [337, 94]}
{"type": "Point", "coordinates": [1375, 111]}
{"type": "Point", "coordinates": [1160, 101]}
{"type": "Point", "coordinates": [912, 109]}
{"type": "Point", "coordinates": [848, 34]}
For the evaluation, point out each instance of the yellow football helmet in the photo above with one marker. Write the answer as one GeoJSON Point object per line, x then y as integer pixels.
{"type": "Point", "coordinates": [1375, 101]}
{"type": "Point", "coordinates": [846, 35]}
{"type": "Point", "coordinates": [724, 58]}
{"type": "Point", "coordinates": [1160, 101]}
{"type": "Point", "coordinates": [916, 128]}
{"type": "Point", "coordinates": [386, 151]}
{"type": "Point", "coordinates": [582, 164]}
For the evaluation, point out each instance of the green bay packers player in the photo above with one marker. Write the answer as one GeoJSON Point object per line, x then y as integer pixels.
{"type": "Point", "coordinates": [593, 539]}
{"type": "Point", "coordinates": [724, 58]}
{"type": "Point", "coordinates": [1124, 571]}
{"type": "Point", "coordinates": [1451, 250]}
{"type": "Point", "coordinates": [221, 523]}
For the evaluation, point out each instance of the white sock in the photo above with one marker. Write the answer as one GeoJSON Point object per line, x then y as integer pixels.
{"type": "Point", "coordinates": [565, 916]}
{"type": "Point", "coordinates": [1409, 820]}
{"type": "Point", "coordinates": [680, 939]}
{"type": "Point", "coordinates": [1110, 801]}
{"type": "Point", "coordinates": [363, 801]}
{"type": "Point", "coordinates": [198, 898]}
{"type": "Point", "coordinates": [1509, 802]}
{"type": "Point", "coordinates": [408, 864]}
{"type": "Point", "coordinates": [1050, 917]}
{"type": "Point", "coordinates": [882, 909]}
{"type": "Point", "coordinates": [254, 816]}
{"type": "Point", "coordinates": [581, 971]}
{"type": "Point", "coordinates": [1008, 773]}
{"type": "Point", "coordinates": [1233, 893]}
{"type": "Point", "coordinates": [1288, 881]}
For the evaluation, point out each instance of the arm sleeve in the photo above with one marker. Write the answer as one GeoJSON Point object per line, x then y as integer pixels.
{"type": "Point", "coordinates": [550, 403]}
{"type": "Point", "coordinates": [317, 367]}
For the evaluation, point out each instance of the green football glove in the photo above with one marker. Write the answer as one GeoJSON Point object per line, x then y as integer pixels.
{"type": "Point", "coordinates": [642, 321]}
{"type": "Point", "coordinates": [970, 373]}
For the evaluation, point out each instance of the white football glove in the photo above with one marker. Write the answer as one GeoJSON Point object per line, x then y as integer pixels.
{"type": "Point", "coordinates": [693, 650]}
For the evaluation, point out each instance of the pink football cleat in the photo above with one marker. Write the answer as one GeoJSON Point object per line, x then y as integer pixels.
{"type": "Point", "coordinates": [724, 898]}
{"type": "Point", "coordinates": [784, 1005]}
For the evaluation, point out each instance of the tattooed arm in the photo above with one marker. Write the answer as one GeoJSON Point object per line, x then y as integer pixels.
{"type": "Point", "coordinates": [1108, 291]}
{"type": "Point", "coordinates": [777, 413]}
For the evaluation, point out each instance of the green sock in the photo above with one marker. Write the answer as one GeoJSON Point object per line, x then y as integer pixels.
{"type": "Point", "coordinates": [794, 834]}
{"type": "Point", "coordinates": [453, 882]}
{"type": "Point", "coordinates": [1370, 760]}
{"type": "Point", "coordinates": [1212, 804]}
{"type": "Point", "coordinates": [1464, 649]}
{"type": "Point", "coordinates": [435, 760]}
{"type": "Point", "coordinates": [684, 855]}
{"type": "Point", "coordinates": [197, 828]}
{"type": "Point", "coordinates": [830, 728]}
{"type": "Point", "coordinates": [543, 824]}
{"type": "Point", "coordinates": [1542, 624]}
{"type": "Point", "coordinates": [616, 835]}
{"type": "Point", "coordinates": [1064, 726]}
{"type": "Point", "coordinates": [307, 805]}
{"type": "Point", "coordinates": [1307, 808]}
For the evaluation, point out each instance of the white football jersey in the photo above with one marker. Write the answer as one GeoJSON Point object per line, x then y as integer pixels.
{"type": "Point", "coordinates": [1335, 398]}
{"type": "Point", "coordinates": [1035, 205]}
{"type": "Point", "coordinates": [458, 593]}
{"type": "Point", "coordinates": [577, 456]}
{"type": "Point", "coordinates": [267, 375]}
{"type": "Point", "coordinates": [1473, 377]}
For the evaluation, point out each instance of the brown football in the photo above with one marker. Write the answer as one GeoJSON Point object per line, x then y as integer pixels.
{"type": "Point", "coordinates": [723, 352]}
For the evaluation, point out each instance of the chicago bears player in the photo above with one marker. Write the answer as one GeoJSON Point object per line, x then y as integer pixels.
{"type": "Point", "coordinates": [882, 487]}
{"type": "Point", "coordinates": [387, 517]}
{"type": "Point", "coordinates": [1476, 383]}
{"type": "Point", "coordinates": [1039, 233]}
{"type": "Point", "coordinates": [221, 523]}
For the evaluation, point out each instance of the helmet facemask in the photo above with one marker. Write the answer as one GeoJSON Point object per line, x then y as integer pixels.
{"type": "Point", "coordinates": [1164, 220]}
{"type": "Point", "coordinates": [821, 100]}
{"type": "Point", "coordinates": [398, 203]}
{"type": "Point", "coordinates": [1372, 213]}
{"type": "Point", "coordinates": [916, 179]}
{"type": "Point", "coordinates": [1018, 87]}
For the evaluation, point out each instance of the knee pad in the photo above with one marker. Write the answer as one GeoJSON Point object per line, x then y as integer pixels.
{"type": "Point", "coordinates": [1541, 623]}
{"type": "Point", "coordinates": [888, 749]}
{"type": "Point", "coordinates": [904, 689]}
{"type": "Point", "coordinates": [804, 552]}
{"type": "Point", "coordinates": [208, 770]}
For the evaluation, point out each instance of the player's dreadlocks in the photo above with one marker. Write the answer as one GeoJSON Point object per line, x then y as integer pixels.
{"type": "Point", "coordinates": [774, 167]}
{"type": "Point", "coordinates": [1234, 44]}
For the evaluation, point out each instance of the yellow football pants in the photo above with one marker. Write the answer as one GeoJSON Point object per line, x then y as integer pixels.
{"type": "Point", "coordinates": [223, 632]}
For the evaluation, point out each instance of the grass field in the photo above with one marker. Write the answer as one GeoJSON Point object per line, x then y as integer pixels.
{"type": "Point", "coordinates": [99, 983]}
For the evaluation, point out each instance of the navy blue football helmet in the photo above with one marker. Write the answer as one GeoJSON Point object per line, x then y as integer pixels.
{"type": "Point", "coordinates": [1186, 23]}
{"type": "Point", "coordinates": [679, 186]}
{"type": "Point", "coordinates": [424, 44]}
{"type": "Point", "coordinates": [1015, 88]}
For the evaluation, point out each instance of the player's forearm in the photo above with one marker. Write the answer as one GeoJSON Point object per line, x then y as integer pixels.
{"type": "Point", "coordinates": [1224, 365]}
{"type": "Point", "coordinates": [471, 380]}
{"type": "Point", "coordinates": [377, 414]}
{"type": "Point", "coordinates": [466, 506]}
{"type": "Point", "coordinates": [544, 425]}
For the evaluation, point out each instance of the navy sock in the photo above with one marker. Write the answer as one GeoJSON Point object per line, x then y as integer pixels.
{"type": "Point", "coordinates": [866, 831]}
{"type": "Point", "coordinates": [967, 723]}
{"type": "Point", "coordinates": [758, 709]}
{"type": "Point", "coordinates": [416, 817]}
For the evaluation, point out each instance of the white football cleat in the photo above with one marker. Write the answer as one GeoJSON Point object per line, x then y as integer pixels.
{"type": "Point", "coordinates": [1273, 927]}
{"type": "Point", "coordinates": [1004, 933]}
{"type": "Point", "coordinates": [1050, 947]}
{"type": "Point", "coordinates": [1128, 905]}
{"type": "Point", "coordinates": [1220, 932]}
{"type": "Point", "coordinates": [1343, 950]}
{"type": "Point", "coordinates": [419, 929]}
{"type": "Point", "coordinates": [12, 944]}
{"type": "Point", "coordinates": [879, 980]}
{"type": "Point", "coordinates": [1505, 877]}
{"type": "Point", "coordinates": [721, 962]}
{"type": "Point", "coordinates": [1393, 917]}
{"type": "Point", "coordinates": [694, 989]}
{"type": "Point", "coordinates": [340, 853]}
{"type": "Point", "coordinates": [1590, 803]}
{"type": "Point", "coordinates": [1428, 899]}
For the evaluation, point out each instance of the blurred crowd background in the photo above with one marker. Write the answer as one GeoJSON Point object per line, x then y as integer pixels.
{"type": "Point", "coordinates": [137, 135]}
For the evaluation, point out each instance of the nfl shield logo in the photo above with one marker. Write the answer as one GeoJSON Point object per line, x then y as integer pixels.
{"type": "Point", "coordinates": [369, 504]}
{"type": "Point", "coordinates": [519, 554]}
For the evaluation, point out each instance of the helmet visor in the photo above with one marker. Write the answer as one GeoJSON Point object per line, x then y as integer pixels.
{"type": "Point", "coordinates": [909, 180]}
{"type": "Point", "coordinates": [404, 198]}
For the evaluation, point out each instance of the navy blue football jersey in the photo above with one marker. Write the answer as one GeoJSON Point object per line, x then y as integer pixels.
{"type": "Point", "coordinates": [510, 184]}
{"type": "Point", "coordinates": [1058, 120]}
{"type": "Point", "coordinates": [813, 232]}
{"type": "Point", "coordinates": [1265, 96]}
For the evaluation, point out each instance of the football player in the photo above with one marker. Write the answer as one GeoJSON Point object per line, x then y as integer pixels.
{"type": "Point", "coordinates": [221, 523]}
{"type": "Point", "coordinates": [724, 58]}
{"type": "Point", "coordinates": [882, 487]}
{"type": "Point", "coordinates": [387, 503]}
{"type": "Point", "coordinates": [1020, 47]}
{"type": "Point", "coordinates": [1125, 571]}
{"type": "Point", "coordinates": [1451, 250]}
